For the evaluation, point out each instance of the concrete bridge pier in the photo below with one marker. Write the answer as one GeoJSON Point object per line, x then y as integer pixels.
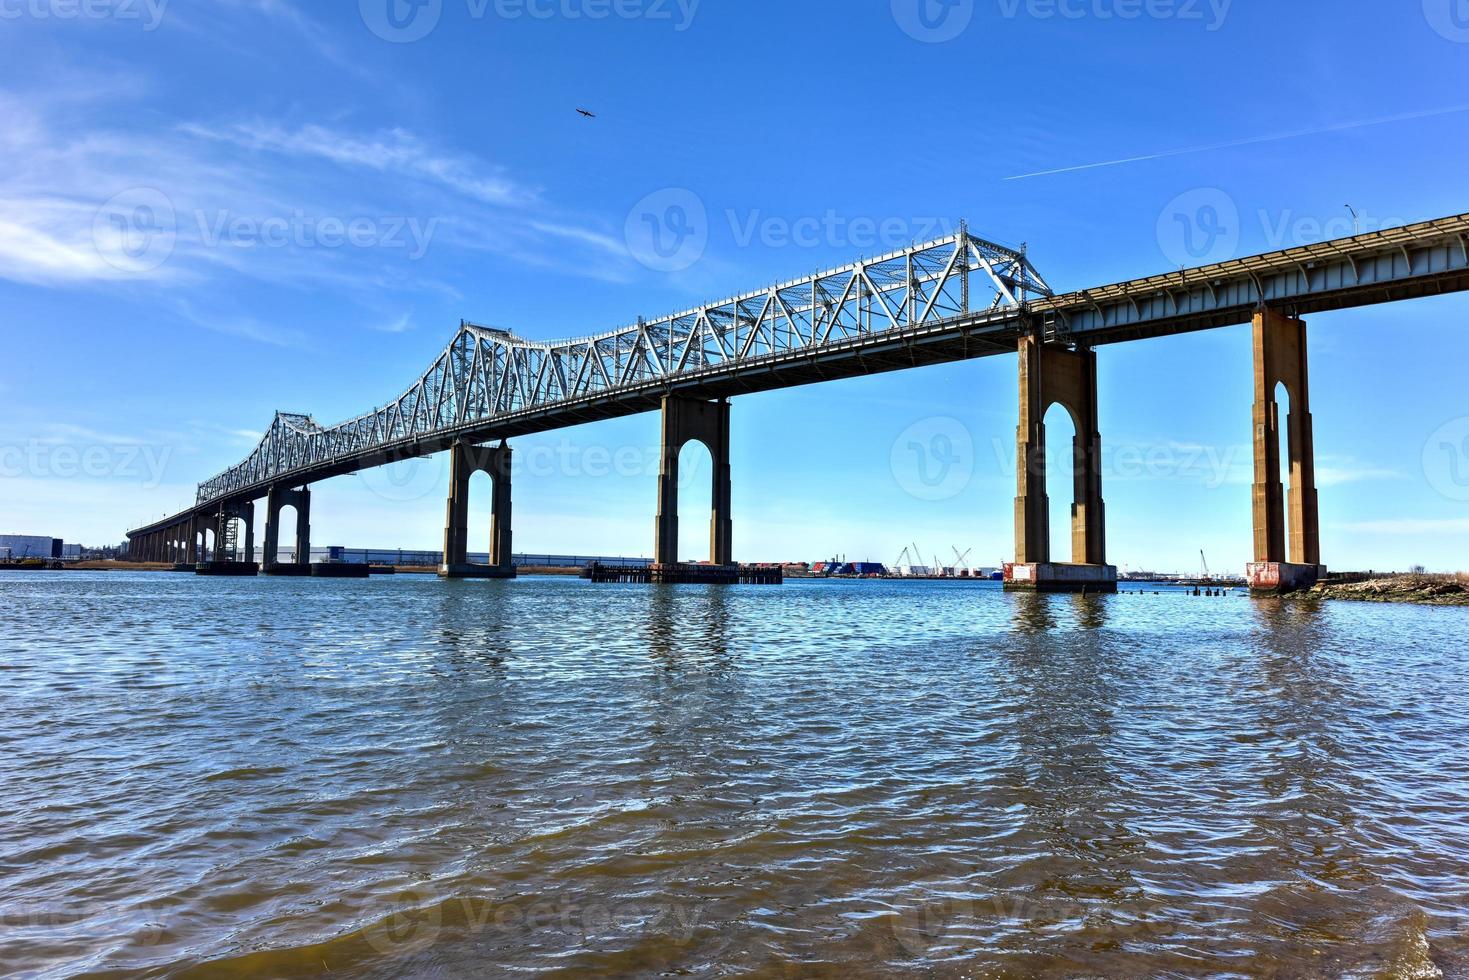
{"type": "Point", "coordinates": [687, 420]}
{"type": "Point", "coordinates": [194, 546]}
{"type": "Point", "coordinates": [231, 563]}
{"type": "Point", "coordinates": [1053, 374]}
{"type": "Point", "coordinates": [278, 498]}
{"type": "Point", "coordinates": [1280, 361]}
{"type": "Point", "coordinates": [465, 460]}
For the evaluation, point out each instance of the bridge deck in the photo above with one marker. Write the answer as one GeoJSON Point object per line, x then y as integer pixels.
{"type": "Point", "coordinates": [914, 316]}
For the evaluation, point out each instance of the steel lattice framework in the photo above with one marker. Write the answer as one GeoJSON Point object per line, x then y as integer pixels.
{"type": "Point", "coordinates": [486, 374]}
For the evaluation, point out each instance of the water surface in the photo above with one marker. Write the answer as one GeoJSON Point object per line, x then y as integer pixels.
{"type": "Point", "coordinates": [407, 777]}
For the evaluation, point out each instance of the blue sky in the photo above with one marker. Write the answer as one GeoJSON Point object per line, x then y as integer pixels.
{"type": "Point", "coordinates": [333, 189]}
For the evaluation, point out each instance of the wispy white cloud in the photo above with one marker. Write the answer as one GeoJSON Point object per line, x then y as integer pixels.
{"type": "Point", "coordinates": [1334, 471]}
{"type": "Point", "coordinates": [1452, 525]}
{"type": "Point", "coordinates": [62, 174]}
{"type": "Point", "coordinates": [403, 324]}
{"type": "Point", "coordinates": [67, 434]}
{"type": "Point", "coordinates": [394, 151]}
{"type": "Point", "coordinates": [244, 327]}
{"type": "Point", "coordinates": [50, 242]}
{"type": "Point", "coordinates": [221, 22]}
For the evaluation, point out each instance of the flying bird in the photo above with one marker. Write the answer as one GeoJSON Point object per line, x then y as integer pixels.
{"type": "Point", "coordinates": [589, 115]}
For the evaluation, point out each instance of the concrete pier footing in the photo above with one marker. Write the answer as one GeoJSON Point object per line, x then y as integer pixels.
{"type": "Point", "coordinates": [681, 573]}
{"type": "Point", "coordinates": [467, 570]}
{"type": "Point", "coordinates": [228, 569]}
{"type": "Point", "coordinates": [339, 569]}
{"type": "Point", "coordinates": [1061, 577]}
{"type": "Point", "coordinates": [1267, 578]}
{"type": "Point", "coordinates": [286, 569]}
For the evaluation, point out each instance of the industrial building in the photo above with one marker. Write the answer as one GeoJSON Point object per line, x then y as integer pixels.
{"type": "Point", "coordinates": [18, 547]}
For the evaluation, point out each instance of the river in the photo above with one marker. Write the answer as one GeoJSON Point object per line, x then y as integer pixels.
{"type": "Point", "coordinates": [408, 777]}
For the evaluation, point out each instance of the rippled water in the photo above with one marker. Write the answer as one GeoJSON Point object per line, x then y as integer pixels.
{"type": "Point", "coordinates": [285, 777]}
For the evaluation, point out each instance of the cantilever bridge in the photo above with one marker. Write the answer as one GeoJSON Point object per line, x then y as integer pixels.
{"type": "Point", "coordinates": [955, 298]}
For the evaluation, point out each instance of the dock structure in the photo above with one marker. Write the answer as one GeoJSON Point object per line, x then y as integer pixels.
{"type": "Point", "coordinates": [687, 574]}
{"type": "Point", "coordinates": [952, 299]}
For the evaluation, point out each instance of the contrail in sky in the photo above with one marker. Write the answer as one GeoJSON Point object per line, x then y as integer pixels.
{"type": "Point", "coordinates": [1249, 141]}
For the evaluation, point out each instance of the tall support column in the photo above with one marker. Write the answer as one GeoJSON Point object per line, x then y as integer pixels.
{"type": "Point", "coordinates": [502, 526]}
{"type": "Point", "coordinates": [248, 512]}
{"type": "Point", "coordinates": [456, 517]}
{"type": "Point", "coordinates": [1088, 510]}
{"type": "Point", "coordinates": [1032, 503]}
{"type": "Point", "coordinates": [1287, 554]}
{"type": "Point", "coordinates": [1052, 374]}
{"type": "Point", "coordinates": [303, 526]}
{"type": "Point", "coordinates": [272, 546]}
{"type": "Point", "coordinates": [465, 460]}
{"type": "Point", "coordinates": [194, 548]}
{"type": "Point", "coordinates": [686, 420]}
{"type": "Point", "coordinates": [278, 498]}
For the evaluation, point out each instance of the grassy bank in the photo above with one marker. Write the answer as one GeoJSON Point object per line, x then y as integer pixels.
{"type": "Point", "coordinates": [1433, 590]}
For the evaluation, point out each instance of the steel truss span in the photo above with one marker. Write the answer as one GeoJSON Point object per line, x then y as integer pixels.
{"type": "Point", "coordinates": [486, 376]}
{"type": "Point", "coordinates": [956, 298]}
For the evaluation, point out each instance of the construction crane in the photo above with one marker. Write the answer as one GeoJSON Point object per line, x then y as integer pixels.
{"type": "Point", "coordinates": [898, 565]}
{"type": "Point", "coordinates": [1205, 562]}
{"type": "Point", "coordinates": [960, 561]}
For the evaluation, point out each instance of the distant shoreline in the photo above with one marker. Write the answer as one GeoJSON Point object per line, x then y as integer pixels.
{"type": "Point", "coordinates": [1427, 590]}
